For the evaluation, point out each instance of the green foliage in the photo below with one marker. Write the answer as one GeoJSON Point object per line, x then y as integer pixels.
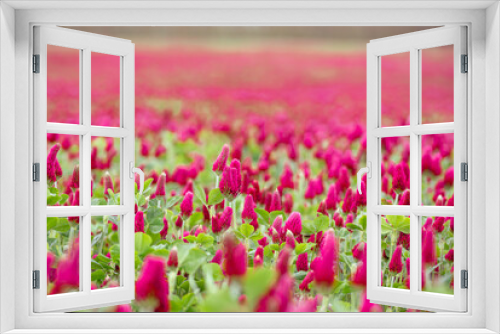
{"type": "Point", "coordinates": [215, 197]}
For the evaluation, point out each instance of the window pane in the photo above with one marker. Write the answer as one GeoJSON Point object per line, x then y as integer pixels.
{"type": "Point", "coordinates": [105, 89]}
{"type": "Point", "coordinates": [63, 171]}
{"type": "Point", "coordinates": [105, 265]}
{"type": "Point", "coordinates": [437, 254]}
{"type": "Point", "coordinates": [63, 255]}
{"type": "Point", "coordinates": [437, 169]}
{"type": "Point", "coordinates": [395, 171]}
{"type": "Point", "coordinates": [437, 84]}
{"type": "Point", "coordinates": [63, 85]}
{"type": "Point", "coordinates": [105, 164]}
{"type": "Point", "coordinates": [395, 255]}
{"type": "Point", "coordinates": [395, 95]}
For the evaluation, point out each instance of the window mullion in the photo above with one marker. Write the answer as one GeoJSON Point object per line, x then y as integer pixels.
{"type": "Point", "coordinates": [85, 161]}
{"type": "Point", "coordinates": [415, 169]}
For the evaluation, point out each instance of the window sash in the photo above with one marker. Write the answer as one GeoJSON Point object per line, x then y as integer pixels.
{"type": "Point", "coordinates": [413, 43]}
{"type": "Point", "coordinates": [86, 43]}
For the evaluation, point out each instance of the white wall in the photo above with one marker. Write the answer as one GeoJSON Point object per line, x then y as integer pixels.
{"type": "Point", "coordinates": [7, 159]}
{"type": "Point", "coordinates": [492, 150]}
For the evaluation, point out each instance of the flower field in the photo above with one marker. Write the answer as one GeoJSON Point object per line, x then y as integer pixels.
{"type": "Point", "coordinates": [250, 200]}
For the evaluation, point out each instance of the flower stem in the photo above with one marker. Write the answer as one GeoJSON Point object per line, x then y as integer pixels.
{"type": "Point", "coordinates": [324, 304]}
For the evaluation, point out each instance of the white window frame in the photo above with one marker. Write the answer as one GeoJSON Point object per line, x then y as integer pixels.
{"type": "Point", "coordinates": [483, 21]}
{"type": "Point", "coordinates": [413, 44]}
{"type": "Point", "coordinates": [85, 43]}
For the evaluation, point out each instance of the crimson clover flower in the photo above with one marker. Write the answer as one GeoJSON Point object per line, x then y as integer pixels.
{"type": "Point", "coordinates": [235, 257]}
{"type": "Point", "coordinates": [216, 225]}
{"type": "Point", "coordinates": [438, 224]}
{"type": "Point", "coordinates": [258, 258]}
{"type": "Point", "coordinates": [226, 218]}
{"type": "Point", "coordinates": [179, 222]}
{"type": "Point", "coordinates": [139, 221]}
{"type": "Point", "coordinates": [75, 178]}
{"type": "Point", "coordinates": [290, 241]}
{"type": "Point", "coordinates": [52, 163]}
{"type": "Point", "coordinates": [331, 198]}
{"type": "Point", "coordinates": [275, 202]}
{"type": "Point", "coordinates": [283, 261]}
{"type": "Point", "coordinates": [396, 263]}
{"type": "Point", "coordinates": [152, 284]}
{"type": "Point", "coordinates": [286, 178]}
{"type": "Point", "coordinates": [288, 203]}
{"type": "Point", "coordinates": [220, 162]}
{"type": "Point", "coordinates": [173, 261]}
{"type": "Point", "coordinates": [323, 265]}
{"type": "Point", "coordinates": [67, 275]}
{"type": "Point", "coordinates": [304, 286]}
{"type": "Point", "coordinates": [248, 213]}
{"type": "Point", "coordinates": [164, 231]}
{"type": "Point", "coordinates": [187, 205]}
{"type": "Point", "coordinates": [294, 223]}
{"type": "Point", "coordinates": [399, 179]}
{"type": "Point", "coordinates": [302, 262]}
{"type": "Point", "coordinates": [428, 247]}
{"type": "Point", "coordinates": [230, 183]}
{"type": "Point", "coordinates": [348, 200]}
{"type": "Point", "coordinates": [160, 185]}
{"type": "Point", "coordinates": [359, 251]}
{"type": "Point", "coordinates": [217, 257]}
{"type": "Point", "coordinates": [108, 184]}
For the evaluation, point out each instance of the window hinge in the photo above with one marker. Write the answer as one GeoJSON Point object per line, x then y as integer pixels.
{"type": "Point", "coordinates": [464, 171]}
{"type": "Point", "coordinates": [465, 64]}
{"type": "Point", "coordinates": [465, 279]}
{"type": "Point", "coordinates": [36, 63]}
{"type": "Point", "coordinates": [36, 172]}
{"type": "Point", "coordinates": [36, 279]}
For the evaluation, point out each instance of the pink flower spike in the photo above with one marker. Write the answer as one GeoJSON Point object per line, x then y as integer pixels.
{"type": "Point", "coordinates": [51, 163]}
{"type": "Point", "coordinates": [187, 205]}
{"type": "Point", "coordinates": [139, 222]}
{"type": "Point", "coordinates": [75, 178]}
{"type": "Point", "coordinates": [235, 257]}
{"type": "Point", "coordinates": [331, 198]}
{"type": "Point", "coordinates": [216, 225]}
{"type": "Point", "coordinates": [258, 258]}
{"type": "Point", "coordinates": [108, 184]}
{"type": "Point", "coordinates": [450, 255]}
{"type": "Point", "coordinates": [173, 261]}
{"type": "Point", "coordinates": [217, 257]}
{"type": "Point", "coordinates": [428, 247]}
{"type": "Point", "coordinates": [283, 261]}
{"type": "Point", "coordinates": [399, 179]}
{"type": "Point", "coordinates": [359, 251]}
{"type": "Point", "coordinates": [179, 222]}
{"type": "Point", "coordinates": [152, 283]}
{"type": "Point", "coordinates": [286, 179]}
{"type": "Point", "coordinates": [288, 203]}
{"type": "Point", "coordinates": [160, 185]}
{"type": "Point", "coordinates": [248, 213]}
{"type": "Point", "coordinates": [275, 202]}
{"type": "Point", "coordinates": [290, 241]}
{"type": "Point", "coordinates": [304, 286]}
{"type": "Point", "coordinates": [302, 264]}
{"type": "Point", "coordinates": [396, 263]}
{"type": "Point", "coordinates": [438, 224]}
{"type": "Point", "coordinates": [323, 265]}
{"type": "Point", "coordinates": [164, 231]}
{"type": "Point", "coordinates": [294, 223]}
{"type": "Point", "coordinates": [226, 218]}
{"type": "Point", "coordinates": [221, 160]}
